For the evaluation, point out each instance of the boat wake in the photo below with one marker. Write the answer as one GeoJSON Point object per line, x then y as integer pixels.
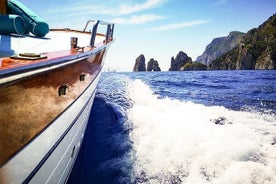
{"type": "Point", "coordinates": [142, 137]}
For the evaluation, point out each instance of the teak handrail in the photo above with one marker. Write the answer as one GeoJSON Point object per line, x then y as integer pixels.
{"type": "Point", "coordinates": [3, 7]}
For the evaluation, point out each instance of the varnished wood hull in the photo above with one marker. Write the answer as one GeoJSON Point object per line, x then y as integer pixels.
{"type": "Point", "coordinates": [43, 119]}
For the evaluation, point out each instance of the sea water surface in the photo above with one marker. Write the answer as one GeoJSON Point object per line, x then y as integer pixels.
{"type": "Point", "coordinates": [181, 127]}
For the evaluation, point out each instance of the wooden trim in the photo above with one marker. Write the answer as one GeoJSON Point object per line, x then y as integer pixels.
{"type": "Point", "coordinates": [3, 7]}
{"type": "Point", "coordinates": [69, 30]}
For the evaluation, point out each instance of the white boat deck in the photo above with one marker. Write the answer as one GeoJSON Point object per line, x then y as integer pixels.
{"type": "Point", "coordinates": [13, 45]}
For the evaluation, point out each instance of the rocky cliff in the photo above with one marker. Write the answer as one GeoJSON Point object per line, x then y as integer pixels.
{"type": "Point", "coordinates": [140, 64]}
{"type": "Point", "coordinates": [220, 46]}
{"type": "Point", "coordinates": [257, 50]}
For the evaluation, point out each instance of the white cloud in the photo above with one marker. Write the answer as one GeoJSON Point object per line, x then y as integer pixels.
{"type": "Point", "coordinates": [107, 8]}
{"type": "Point", "coordinates": [137, 19]}
{"type": "Point", "coordinates": [80, 9]}
{"type": "Point", "coordinates": [129, 9]}
{"type": "Point", "coordinates": [119, 11]}
{"type": "Point", "coordinates": [180, 25]}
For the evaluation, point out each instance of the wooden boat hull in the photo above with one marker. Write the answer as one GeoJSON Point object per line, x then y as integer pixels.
{"type": "Point", "coordinates": [45, 104]}
{"type": "Point", "coordinates": [37, 114]}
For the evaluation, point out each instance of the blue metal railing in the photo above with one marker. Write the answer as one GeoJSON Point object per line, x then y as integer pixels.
{"type": "Point", "coordinates": [109, 30]}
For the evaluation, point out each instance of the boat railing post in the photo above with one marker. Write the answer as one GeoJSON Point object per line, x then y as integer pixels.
{"type": "Point", "coordinates": [108, 31]}
{"type": "Point", "coordinates": [112, 31]}
{"type": "Point", "coordinates": [93, 34]}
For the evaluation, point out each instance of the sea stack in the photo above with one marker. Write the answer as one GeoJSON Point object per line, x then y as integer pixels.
{"type": "Point", "coordinates": [140, 64]}
{"type": "Point", "coordinates": [153, 65]}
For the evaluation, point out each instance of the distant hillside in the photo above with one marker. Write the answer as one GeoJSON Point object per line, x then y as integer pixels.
{"type": "Point", "coordinates": [257, 50]}
{"type": "Point", "coordinates": [220, 46]}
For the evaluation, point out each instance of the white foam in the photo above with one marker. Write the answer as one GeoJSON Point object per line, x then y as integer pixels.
{"type": "Point", "coordinates": [178, 141]}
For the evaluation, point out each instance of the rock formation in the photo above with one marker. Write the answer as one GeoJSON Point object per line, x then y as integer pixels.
{"type": "Point", "coordinates": [153, 65]}
{"type": "Point", "coordinates": [140, 64]}
{"type": "Point", "coordinates": [220, 46]}
{"type": "Point", "coordinates": [238, 51]}
{"type": "Point", "coordinates": [179, 61]}
{"type": "Point", "coordinates": [257, 50]}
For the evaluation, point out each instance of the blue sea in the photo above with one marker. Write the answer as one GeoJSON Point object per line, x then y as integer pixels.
{"type": "Point", "coordinates": [181, 127]}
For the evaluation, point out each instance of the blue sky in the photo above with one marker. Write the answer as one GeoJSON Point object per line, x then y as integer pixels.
{"type": "Point", "coordinates": [158, 29]}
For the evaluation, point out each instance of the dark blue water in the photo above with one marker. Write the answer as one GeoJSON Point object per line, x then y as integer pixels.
{"type": "Point", "coordinates": [181, 127]}
{"type": "Point", "coordinates": [231, 89]}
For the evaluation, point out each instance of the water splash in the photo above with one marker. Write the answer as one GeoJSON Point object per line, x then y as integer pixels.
{"type": "Point", "coordinates": [180, 142]}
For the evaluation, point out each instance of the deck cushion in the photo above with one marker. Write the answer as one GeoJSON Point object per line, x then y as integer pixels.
{"type": "Point", "coordinates": [12, 24]}
{"type": "Point", "coordinates": [34, 23]}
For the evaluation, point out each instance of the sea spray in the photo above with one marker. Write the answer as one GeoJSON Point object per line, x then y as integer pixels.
{"type": "Point", "coordinates": [178, 141]}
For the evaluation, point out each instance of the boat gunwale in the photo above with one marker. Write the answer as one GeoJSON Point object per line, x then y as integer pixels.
{"type": "Point", "coordinates": [14, 74]}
